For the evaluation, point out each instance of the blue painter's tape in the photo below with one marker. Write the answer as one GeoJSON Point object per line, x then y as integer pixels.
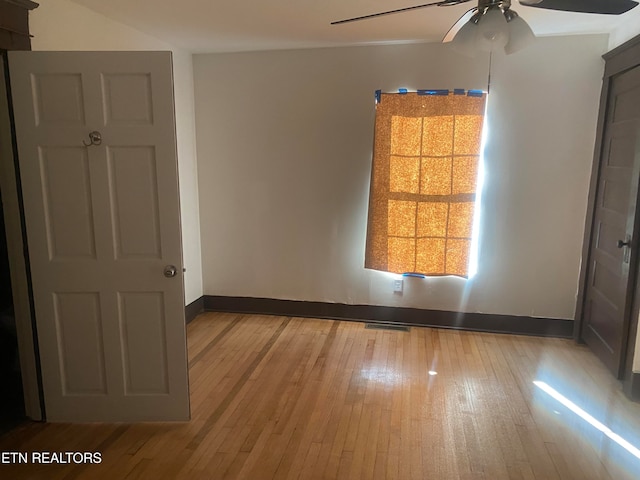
{"type": "Point", "coordinates": [378, 96]}
{"type": "Point", "coordinates": [402, 91]}
{"type": "Point", "coordinates": [433, 92]}
{"type": "Point", "coordinates": [475, 93]}
{"type": "Point", "coordinates": [418, 275]}
{"type": "Point", "coordinates": [459, 91]}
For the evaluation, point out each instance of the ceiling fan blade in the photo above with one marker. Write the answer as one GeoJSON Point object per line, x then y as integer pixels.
{"type": "Point", "coordinates": [443, 3]}
{"type": "Point", "coordinates": [604, 7]}
{"type": "Point", "coordinates": [458, 25]}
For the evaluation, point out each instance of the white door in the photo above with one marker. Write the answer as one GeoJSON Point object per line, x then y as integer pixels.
{"type": "Point", "coordinates": [103, 224]}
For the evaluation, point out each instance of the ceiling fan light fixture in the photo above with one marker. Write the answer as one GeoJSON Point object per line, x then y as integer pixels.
{"type": "Point", "coordinates": [520, 35]}
{"type": "Point", "coordinates": [464, 41]}
{"type": "Point", "coordinates": [492, 31]}
{"type": "Point", "coordinates": [493, 28]}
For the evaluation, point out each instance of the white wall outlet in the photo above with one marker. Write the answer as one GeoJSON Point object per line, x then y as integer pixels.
{"type": "Point", "coordinates": [397, 285]}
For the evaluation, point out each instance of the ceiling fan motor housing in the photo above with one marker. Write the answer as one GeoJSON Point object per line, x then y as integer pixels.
{"type": "Point", "coordinates": [484, 5]}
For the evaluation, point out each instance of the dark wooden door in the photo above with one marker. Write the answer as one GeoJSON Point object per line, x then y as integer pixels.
{"type": "Point", "coordinates": [614, 238]}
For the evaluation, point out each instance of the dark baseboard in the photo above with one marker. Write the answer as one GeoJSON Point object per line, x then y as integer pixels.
{"type": "Point", "coordinates": [631, 387]}
{"type": "Point", "coordinates": [546, 327]}
{"type": "Point", "coordinates": [192, 310]}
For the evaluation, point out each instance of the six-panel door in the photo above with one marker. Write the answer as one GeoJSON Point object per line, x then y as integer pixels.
{"type": "Point", "coordinates": [97, 154]}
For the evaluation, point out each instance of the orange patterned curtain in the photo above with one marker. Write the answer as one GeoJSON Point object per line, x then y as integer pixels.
{"type": "Point", "coordinates": [423, 183]}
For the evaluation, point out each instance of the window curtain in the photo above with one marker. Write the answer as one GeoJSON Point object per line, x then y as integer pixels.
{"type": "Point", "coordinates": [423, 182]}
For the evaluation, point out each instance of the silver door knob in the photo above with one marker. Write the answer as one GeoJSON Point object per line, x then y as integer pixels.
{"type": "Point", "coordinates": [170, 271]}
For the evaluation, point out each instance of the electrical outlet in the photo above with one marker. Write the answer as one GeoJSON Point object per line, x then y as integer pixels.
{"type": "Point", "coordinates": [397, 285]}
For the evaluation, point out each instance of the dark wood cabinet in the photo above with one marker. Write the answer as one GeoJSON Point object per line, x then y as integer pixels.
{"type": "Point", "coordinates": [14, 24]}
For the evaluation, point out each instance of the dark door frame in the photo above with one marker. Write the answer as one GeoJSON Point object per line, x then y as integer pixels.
{"type": "Point", "coordinates": [617, 61]}
{"type": "Point", "coordinates": [14, 35]}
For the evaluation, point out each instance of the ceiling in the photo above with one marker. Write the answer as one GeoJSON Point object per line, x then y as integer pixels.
{"type": "Point", "coordinates": [246, 25]}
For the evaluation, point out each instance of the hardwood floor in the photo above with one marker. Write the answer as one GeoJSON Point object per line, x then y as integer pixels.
{"type": "Point", "coordinates": [276, 397]}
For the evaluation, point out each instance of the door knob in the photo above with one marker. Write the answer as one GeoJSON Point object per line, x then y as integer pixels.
{"type": "Point", "coordinates": [622, 243]}
{"type": "Point", "coordinates": [170, 271]}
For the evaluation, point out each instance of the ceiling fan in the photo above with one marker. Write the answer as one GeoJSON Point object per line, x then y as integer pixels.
{"type": "Point", "coordinates": [492, 24]}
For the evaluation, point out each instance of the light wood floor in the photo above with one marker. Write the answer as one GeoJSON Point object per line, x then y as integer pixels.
{"type": "Point", "coordinates": [276, 397]}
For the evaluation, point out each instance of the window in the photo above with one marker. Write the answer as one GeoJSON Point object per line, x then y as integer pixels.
{"type": "Point", "coordinates": [423, 182]}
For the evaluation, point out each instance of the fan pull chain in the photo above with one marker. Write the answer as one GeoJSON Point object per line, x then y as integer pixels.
{"type": "Point", "coordinates": [489, 76]}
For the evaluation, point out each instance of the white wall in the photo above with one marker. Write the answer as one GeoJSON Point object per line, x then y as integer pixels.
{"type": "Point", "coordinates": [628, 28]}
{"type": "Point", "coordinates": [63, 25]}
{"type": "Point", "coordinates": [284, 151]}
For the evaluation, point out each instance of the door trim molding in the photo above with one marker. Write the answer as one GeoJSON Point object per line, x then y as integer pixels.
{"type": "Point", "coordinates": [480, 322]}
{"type": "Point", "coordinates": [591, 204]}
{"type": "Point", "coordinates": [619, 60]}
{"type": "Point", "coordinates": [631, 387]}
{"type": "Point", "coordinates": [623, 57]}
